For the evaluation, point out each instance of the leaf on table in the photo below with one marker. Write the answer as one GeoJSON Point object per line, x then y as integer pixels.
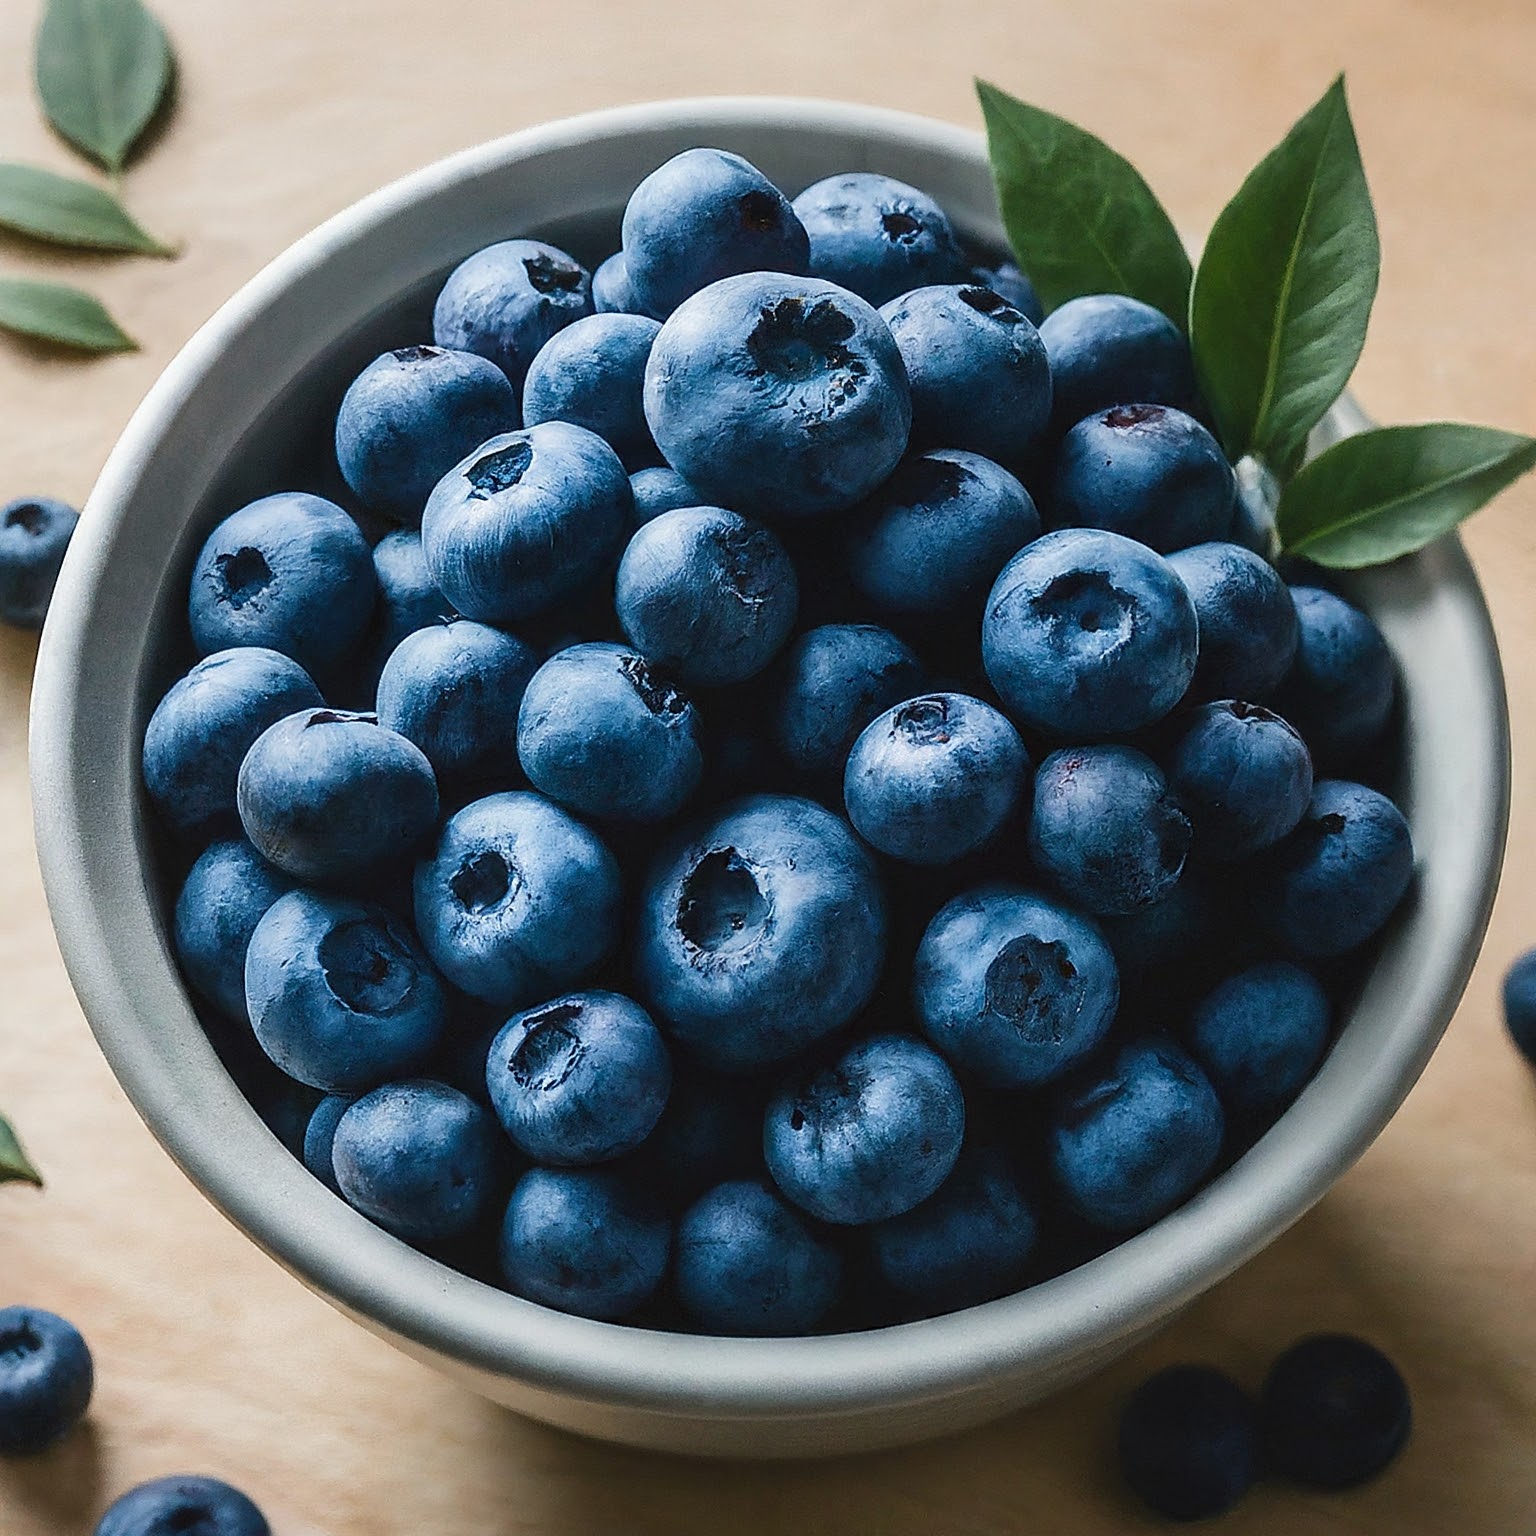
{"type": "Point", "coordinates": [1080, 217]}
{"type": "Point", "coordinates": [1284, 288]}
{"type": "Point", "coordinates": [1388, 492]}
{"type": "Point", "coordinates": [102, 68]}
{"type": "Point", "coordinates": [15, 1167]}
{"type": "Point", "coordinates": [58, 313]}
{"type": "Point", "coordinates": [65, 211]}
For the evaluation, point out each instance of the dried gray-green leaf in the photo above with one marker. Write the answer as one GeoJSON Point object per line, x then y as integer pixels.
{"type": "Point", "coordinates": [15, 1166]}
{"type": "Point", "coordinates": [1284, 288]}
{"type": "Point", "coordinates": [1080, 217]}
{"type": "Point", "coordinates": [64, 211]}
{"type": "Point", "coordinates": [1388, 492]}
{"type": "Point", "coordinates": [58, 313]}
{"type": "Point", "coordinates": [103, 68]}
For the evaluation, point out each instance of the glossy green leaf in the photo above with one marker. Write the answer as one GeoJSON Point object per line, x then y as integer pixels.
{"type": "Point", "coordinates": [57, 313]}
{"type": "Point", "coordinates": [103, 68]}
{"type": "Point", "coordinates": [1284, 288]}
{"type": "Point", "coordinates": [1388, 492]}
{"type": "Point", "coordinates": [1079, 216]}
{"type": "Point", "coordinates": [15, 1168]}
{"type": "Point", "coordinates": [64, 211]}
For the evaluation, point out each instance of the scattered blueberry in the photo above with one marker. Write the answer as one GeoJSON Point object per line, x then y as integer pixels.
{"type": "Point", "coordinates": [934, 778]}
{"type": "Point", "coordinates": [227, 892]}
{"type": "Point", "coordinates": [410, 416]}
{"type": "Point", "coordinates": [34, 533]}
{"type": "Point", "coordinates": [878, 237]}
{"type": "Point", "coordinates": [1520, 1003]}
{"type": "Point", "coordinates": [506, 301]}
{"type": "Point", "coordinates": [778, 396]}
{"type": "Point", "coordinates": [1189, 1443]}
{"type": "Point", "coordinates": [183, 1506]}
{"type": "Point", "coordinates": [1334, 1412]}
{"type": "Point", "coordinates": [1004, 277]}
{"type": "Point", "coordinates": [1147, 471]}
{"type": "Point", "coordinates": [657, 490]}
{"type": "Point", "coordinates": [1247, 620]}
{"type": "Point", "coordinates": [706, 595]}
{"type": "Point", "coordinates": [763, 931]}
{"type": "Point", "coordinates": [1014, 988]}
{"type": "Point", "coordinates": [747, 1262]}
{"type": "Point", "coordinates": [46, 1377]}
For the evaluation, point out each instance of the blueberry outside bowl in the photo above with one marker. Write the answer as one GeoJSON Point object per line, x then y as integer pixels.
{"type": "Point", "coordinates": [224, 423]}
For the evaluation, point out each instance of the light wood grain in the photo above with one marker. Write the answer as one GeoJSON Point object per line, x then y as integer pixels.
{"type": "Point", "coordinates": [210, 1359]}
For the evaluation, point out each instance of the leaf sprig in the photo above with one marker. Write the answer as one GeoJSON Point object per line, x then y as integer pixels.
{"type": "Point", "coordinates": [1277, 315]}
{"type": "Point", "coordinates": [15, 1166]}
{"type": "Point", "coordinates": [103, 69]}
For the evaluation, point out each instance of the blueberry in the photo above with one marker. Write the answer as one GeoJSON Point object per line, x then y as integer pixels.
{"type": "Point", "coordinates": [1247, 620]}
{"type": "Point", "coordinates": [527, 522]}
{"type": "Point", "coordinates": [453, 688]}
{"type": "Point", "coordinates": [1136, 1140]}
{"type": "Point", "coordinates": [1107, 829]}
{"type": "Point", "coordinates": [1088, 633]}
{"type": "Point", "coordinates": [747, 1263]}
{"type": "Point", "coordinates": [1005, 278]}
{"type": "Point", "coordinates": [1147, 471]}
{"type": "Point", "coordinates": [419, 1158]}
{"type": "Point", "coordinates": [226, 894]}
{"type": "Point", "coordinates": [932, 539]}
{"type": "Point", "coordinates": [325, 794]}
{"type": "Point", "coordinates": [611, 293]}
{"type": "Point", "coordinates": [1334, 1412]}
{"type": "Point", "coordinates": [969, 1242]}
{"type": "Point", "coordinates": [835, 680]}
{"type": "Point", "coordinates": [1013, 987]}
{"type": "Point", "coordinates": [1337, 878]}
{"type": "Point", "coordinates": [1172, 937]}
{"type": "Point", "coordinates": [518, 900]}
{"type": "Point", "coordinates": [1260, 1036]}
{"type": "Point", "coordinates": [657, 490]}
{"type": "Point", "coordinates": [977, 368]}
{"type": "Point", "coordinates": [934, 778]}
{"type": "Point", "coordinates": [291, 572]}
{"type": "Point", "coordinates": [408, 597]}
{"type": "Point", "coordinates": [703, 216]}
{"type": "Point", "coordinates": [605, 735]}
{"type": "Point", "coordinates": [201, 730]}
{"type": "Point", "coordinates": [877, 236]}
{"type": "Point", "coordinates": [868, 1136]}
{"type": "Point", "coordinates": [410, 416]}
{"type": "Point", "coordinates": [711, 1130]}
{"type": "Point", "coordinates": [579, 1080]}
{"type": "Point", "coordinates": [763, 931]}
{"type": "Point", "coordinates": [1520, 1004]}
{"type": "Point", "coordinates": [183, 1506]}
{"type": "Point", "coordinates": [584, 1241]}
{"type": "Point", "coordinates": [339, 993]}
{"type": "Point", "coordinates": [34, 533]}
{"type": "Point", "coordinates": [707, 595]}
{"type": "Point", "coordinates": [1189, 1443]}
{"type": "Point", "coordinates": [592, 374]}
{"type": "Point", "coordinates": [320, 1137]}
{"type": "Point", "coordinates": [506, 301]}
{"type": "Point", "coordinates": [46, 1377]}
{"type": "Point", "coordinates": [779, 396]}
{"type": "Point", "coordinates": [1342, 685]}
{"type": "Point", "coordinates": [1244, 776]}
{"type": "Point", "coordinates": [1107, 349]}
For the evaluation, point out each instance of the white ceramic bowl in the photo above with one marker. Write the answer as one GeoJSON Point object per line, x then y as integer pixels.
{"type": "Point", "coordinates": [225, 422]}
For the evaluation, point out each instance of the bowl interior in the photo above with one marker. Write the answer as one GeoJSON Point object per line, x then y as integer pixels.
{"type": "Point", "coordinates": [244, 411]}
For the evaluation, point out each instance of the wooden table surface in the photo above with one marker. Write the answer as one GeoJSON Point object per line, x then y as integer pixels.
{"type": "Point", "coordinates": [209, 1357]}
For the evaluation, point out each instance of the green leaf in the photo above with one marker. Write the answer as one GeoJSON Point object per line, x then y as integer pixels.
{"type": "Point", "coordinates": [1079, 216]}
{"type": "Point", "coordinates": [57, 313]}
{"type": "Point", "coordinates": [1284, 288]}
{"type": "Point", "coordinates": [1388, 492]}
{"type": "Point", "coordinates": [64, 211]}
{"type": "Point", "coordinates": [14, 1165]}
{"type": "Point", "coordinates": [103, 68]}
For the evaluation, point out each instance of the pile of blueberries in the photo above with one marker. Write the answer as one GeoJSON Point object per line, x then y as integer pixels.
{"type": "Point", "coordinates": [821, 813]}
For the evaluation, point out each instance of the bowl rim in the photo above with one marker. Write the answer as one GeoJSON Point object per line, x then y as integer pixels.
{"type": "Point", "coordinates": [432, 1309]}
